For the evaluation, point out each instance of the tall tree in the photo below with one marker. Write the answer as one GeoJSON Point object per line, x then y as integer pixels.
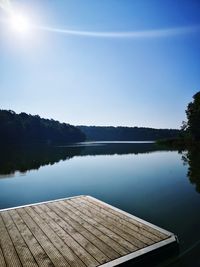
{"type": "Point", "coordinates": [193, 116]}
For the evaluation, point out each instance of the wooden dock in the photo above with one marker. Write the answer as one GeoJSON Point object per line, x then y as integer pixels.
{"type": "Point", "coordinates": [79, 231]}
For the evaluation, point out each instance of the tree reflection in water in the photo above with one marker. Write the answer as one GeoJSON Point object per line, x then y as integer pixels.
{"type": "Point", "coordinates": [192, 158]}
{"type": "Point", "coordinates": [24, 158]}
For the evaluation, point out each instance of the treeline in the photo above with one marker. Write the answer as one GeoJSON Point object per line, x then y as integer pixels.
{"type": "Point", "coordinates": [25, 128]}
{"type": "Point", "coordinates": [101, 133]}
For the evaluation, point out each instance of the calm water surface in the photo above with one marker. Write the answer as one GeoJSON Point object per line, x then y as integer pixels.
{"type": "Point", "coordinates": [160, 186]}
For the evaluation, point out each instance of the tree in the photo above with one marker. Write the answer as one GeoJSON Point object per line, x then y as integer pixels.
{"type": "Point", "coordinates": [193, 116]}
{"type": "Point", "coordinates": [27, 129]}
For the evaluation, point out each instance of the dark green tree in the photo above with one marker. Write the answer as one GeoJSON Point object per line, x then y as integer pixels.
{"type": "Point", "coordinates": [193, 116]}
{"type": "Point", "coordinates": [28, 129]}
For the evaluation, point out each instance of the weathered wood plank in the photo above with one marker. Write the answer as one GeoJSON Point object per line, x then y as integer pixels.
{"type": "Point", "coordinates": [10, 254]}
{"type": "Point", "coordinates": [2, 260]}
{"type": "Point", "coordinates": [87, 216]}
{"type": "Point", "coordinates": [109, 224]}
{"type": "Point", "coordinates": [96, 240]}
{"type": "Point", "coordinates": [141, 229]}
{"type": "Point", "coordinates": [23, 252]}
{"type": "Point", "coordinates": [39, 254]}
{"type": "Point", "coordinates": [76, 247]}
{"type": "Point", "coordinates": [73, 231]}
{"type": "Point", "coordinates": [89, 225]}
{"type": "Point", "coordinates": [52, 252]}
{"type": "Point", "coordinates": [90, 248]}
{"type": "Point", "coordinates": [151, 230]}
{"type": "Point", "coordinates": [136, 232]}
{"type": "Point", "coordinates": [70, 257]}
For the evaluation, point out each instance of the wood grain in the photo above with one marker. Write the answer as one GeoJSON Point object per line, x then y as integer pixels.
{"type": "Point", "coordinates": [74, 232]}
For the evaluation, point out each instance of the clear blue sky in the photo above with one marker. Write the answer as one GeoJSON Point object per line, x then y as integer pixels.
{"type": "Point", "coordinates": [90, 80]}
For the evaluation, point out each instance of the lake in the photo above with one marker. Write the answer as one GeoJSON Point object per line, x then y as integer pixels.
{"type": "Point", "coordinates": [156, 184]}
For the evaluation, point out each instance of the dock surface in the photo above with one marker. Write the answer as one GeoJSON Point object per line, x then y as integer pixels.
{"type": "Point", "coordinates": [79, 231]}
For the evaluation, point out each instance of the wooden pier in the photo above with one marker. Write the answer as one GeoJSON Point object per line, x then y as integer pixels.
{"type": "Point", "coordinates": [79, 231]}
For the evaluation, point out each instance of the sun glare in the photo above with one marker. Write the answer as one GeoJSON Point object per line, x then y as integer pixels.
{"type": "Point", "coordinates": [20, 24]}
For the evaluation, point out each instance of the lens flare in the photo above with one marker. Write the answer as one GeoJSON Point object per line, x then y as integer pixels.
{"type": "Point", "coordinates": [19, 24]}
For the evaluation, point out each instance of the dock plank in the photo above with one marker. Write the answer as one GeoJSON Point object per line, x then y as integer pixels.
{"type": "Point", "coordinates": [38, 253]}
{"type": "Point", "coordinates": [90, 224]}
{"type": "Point", "coordinates": [50, 249]}
{"type": "Point", "coordinates": [126, 218]}
{"type": "Point", "coordinates": [7, 247]}
{"type": "Point", "coordinates": [146, 235]}
{"type": "Point", "coordinates": [128, 247]}
{"type": "Point", "coordinates": [78, 250]}
{"type": "Point", "coordinates": [70, 257]}
{"type": "Point", "coordinates": [24, 253]}
{"type": "Point", "coordinates": [140, 234]}
{"type": "Point", "coordinates": [96, 240]}
{"type": "Point", "coordinates": [75, 235]}
{"type": "Point", "coordinates": [79, 236]}
{"type": "Point", "coordinates": [75, 232]}
{"type": "Point", "coordinates": [106, 221]}
{"type": "Point", "coordinates": [2, 260]}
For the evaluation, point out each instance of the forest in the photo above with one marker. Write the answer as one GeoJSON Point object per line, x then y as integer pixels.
{"type": "Point", "coordinates": [24, 128]}
{"type": "Point", "coordinates": [28, 129]}
{"type": "Point", "coordinates": [101, 133]}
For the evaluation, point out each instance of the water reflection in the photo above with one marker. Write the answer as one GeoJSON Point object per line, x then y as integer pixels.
{"type": "Point", "coordinates": [192, 158]}
{"type": "Point", "coordinates": [26, 158]}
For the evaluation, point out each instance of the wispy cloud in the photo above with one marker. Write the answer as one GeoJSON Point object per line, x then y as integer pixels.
{"type": "Point", "coordinates": [155, 33]}
{"type": "Point", "coordinates": [140, 34]}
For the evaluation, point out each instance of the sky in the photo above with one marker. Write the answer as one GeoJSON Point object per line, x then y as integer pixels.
{"type": "Point", "coordinates": [102, 62]}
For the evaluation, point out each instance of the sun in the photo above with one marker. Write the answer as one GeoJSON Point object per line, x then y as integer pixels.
{"type": "Point", "coordinates": [20, 24]}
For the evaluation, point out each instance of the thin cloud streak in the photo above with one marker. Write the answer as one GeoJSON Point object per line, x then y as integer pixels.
{"type": "Point", "coordinates": [126, 34]}
{"type": "Point", "coordinates": [154, 33]}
